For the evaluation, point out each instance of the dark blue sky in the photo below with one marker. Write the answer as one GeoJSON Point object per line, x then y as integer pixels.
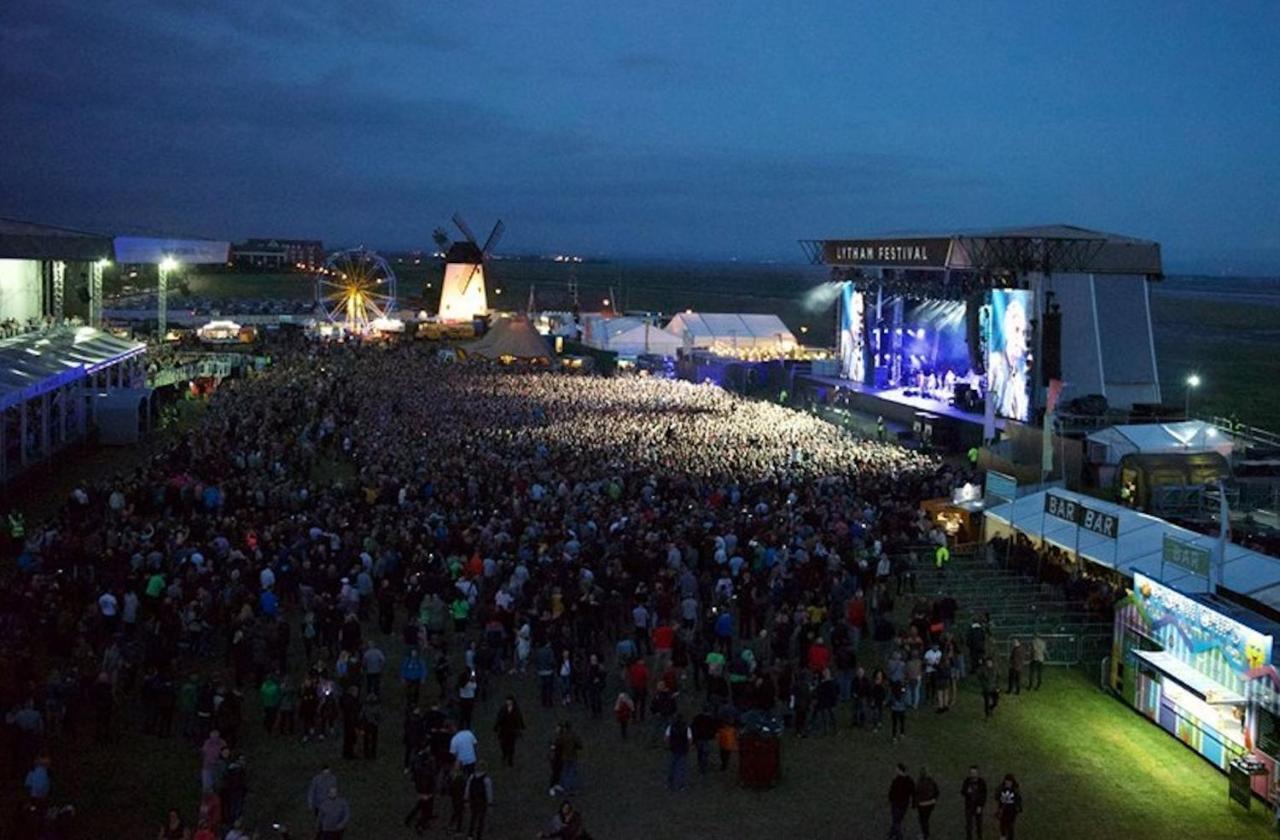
{"type": "Point", "coordinates": [654, 128]}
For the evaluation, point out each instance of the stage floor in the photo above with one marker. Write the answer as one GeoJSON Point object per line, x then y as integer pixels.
{"type": "Point", "coordinates": [899, 396]}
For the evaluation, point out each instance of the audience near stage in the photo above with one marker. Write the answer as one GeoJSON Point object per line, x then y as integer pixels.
{"type": "Point", "coordinates": [365, 523]}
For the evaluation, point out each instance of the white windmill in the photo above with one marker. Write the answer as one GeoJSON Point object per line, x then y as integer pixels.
{"type": "Point", "coordinates": [463, 296]}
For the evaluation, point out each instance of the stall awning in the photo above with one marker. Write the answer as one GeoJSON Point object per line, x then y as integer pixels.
{"type": "Point", "coordinates": [1139, 546]}
{"type": "Point", "coordinates": [1203, 685]}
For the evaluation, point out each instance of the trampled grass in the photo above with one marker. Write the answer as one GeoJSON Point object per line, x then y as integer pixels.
{"type": "Point", "coordinates": [1089, 768]}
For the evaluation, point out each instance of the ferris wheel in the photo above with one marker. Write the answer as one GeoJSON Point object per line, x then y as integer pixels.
{"type": "Point", "coordinates": [355, 288]}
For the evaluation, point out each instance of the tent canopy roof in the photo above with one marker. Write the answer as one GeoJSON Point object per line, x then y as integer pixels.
{"type": "Point", "coordinates": [513, 337]}
{"type": "Point", "coordinates": [1140, 546]}
{"type": "Point", "coordinates": [1186, 436]}
{"type": "Point", "coordinates": [35, 363]}
{"type": "Point", "coordinates": [731, 326]}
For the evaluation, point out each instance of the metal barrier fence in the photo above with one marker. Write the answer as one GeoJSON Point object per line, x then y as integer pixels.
{"type": "Point", "coordinates": [1061, 649]}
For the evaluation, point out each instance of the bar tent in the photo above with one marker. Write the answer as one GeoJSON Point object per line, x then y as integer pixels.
{"type": "Point", "coordinates": [1139, 546]}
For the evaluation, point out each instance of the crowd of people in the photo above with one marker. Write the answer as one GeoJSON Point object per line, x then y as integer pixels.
{"type": "Point", "coordinates": [364, 528]}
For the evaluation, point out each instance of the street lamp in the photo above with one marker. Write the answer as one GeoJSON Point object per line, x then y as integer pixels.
{"type": "Point", "coordinates": [1192, 382]}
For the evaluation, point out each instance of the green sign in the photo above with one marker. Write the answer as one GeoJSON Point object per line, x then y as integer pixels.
{"type": "Point", "coordinates": [1193, 558]}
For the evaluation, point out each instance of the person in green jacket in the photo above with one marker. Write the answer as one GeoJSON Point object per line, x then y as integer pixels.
{"type": "Point", "coordinates": [269, 691]}
{"type": "Point", "coordinates": [460, 609]}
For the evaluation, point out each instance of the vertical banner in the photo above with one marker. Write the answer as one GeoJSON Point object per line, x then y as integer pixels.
{"type": "Point", "coordinates": [1046, 440]}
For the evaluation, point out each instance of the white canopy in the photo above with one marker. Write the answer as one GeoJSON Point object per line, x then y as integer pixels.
{"type": "Point", "coordinates": [599, 329]}
{"type": "Point", "coordinates": [733, 330]}
{"type": "Point", "coordinates": [1109, 445]}
{"type": "Point", "coordinates": [1139, 546]}
{"type": "Point", "coordinates": [645, 338]}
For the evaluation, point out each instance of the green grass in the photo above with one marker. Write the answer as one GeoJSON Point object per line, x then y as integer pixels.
{"type": "Point", "coordinates": [1088, 765]}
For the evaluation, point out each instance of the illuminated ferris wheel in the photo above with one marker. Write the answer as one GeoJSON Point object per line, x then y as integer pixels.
{"type": "Point", "coordinates": [355, 289]}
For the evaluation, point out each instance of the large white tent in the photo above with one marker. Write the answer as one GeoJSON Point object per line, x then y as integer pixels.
{"type": "Point", "coordinates": [630, 337]}
{"type": "Point", "coordinates": [732, 331]}
{"type": "Point", "coordinates": [1139, 546]}
{"type": "Point", "coordinates": [1109, 445]}
{"type": "Point", "coordinates": [598, 328]}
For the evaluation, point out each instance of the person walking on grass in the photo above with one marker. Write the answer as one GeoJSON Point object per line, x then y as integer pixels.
{"type": "Point", "coordinates": [509, 727]}
{"type": "Point", "coordinates": [703, 726]}
{"type": "Point", "coordinates": [568, 748]}
{"type": "Point", "coordinates": [926, 799]}
{"type": "Point", "coordinates": [425, 776]}
{"type": "Point", "coordinates": [479, 797]}
{"type": "Point", "coordinates": [679, 735]}
{"type": "Point", "coordinates": [623, 709]}
{"type": "Point", "coordinates": [973, 790]}
{"type": "Point", "coordinates": [1017, 656]}
{"type": "Point", "coordinates": [988, 681]}
{"type": "Point", "coordinates": [1039, 653]}
{"type": "Point", "coordinates": [898, 711]}
{"type": "Point", "coordinates": [1008, 805]}
{"type": "Point", "coordinates": [902, 791]}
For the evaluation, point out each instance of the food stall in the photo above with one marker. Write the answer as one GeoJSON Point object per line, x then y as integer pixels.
{"type": "Point", "coordinates": [959, 516]}
{"type": "Point", "coordinates": [1200, 667]}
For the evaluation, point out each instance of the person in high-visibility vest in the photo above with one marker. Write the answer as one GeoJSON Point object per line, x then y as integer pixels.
{"type": "Point", "coordinates": [973, 456]}
{"type": "Point", "coordinates": [941, 557]}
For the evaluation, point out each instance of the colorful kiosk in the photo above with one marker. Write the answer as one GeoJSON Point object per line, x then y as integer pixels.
{"type": "Point", "coordinates": [1201, 667]}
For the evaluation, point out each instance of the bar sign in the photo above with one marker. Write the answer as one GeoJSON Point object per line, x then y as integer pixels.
{"type": "Point", "coordinates": [1065, 509]}
{"type": "Point", "coordinates": [1185, 556]}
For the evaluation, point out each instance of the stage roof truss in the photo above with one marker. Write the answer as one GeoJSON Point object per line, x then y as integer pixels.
{"type": "Point", "coordinates": [991, 254]}
{"type": "Point", "coordinates": [1023, 255]}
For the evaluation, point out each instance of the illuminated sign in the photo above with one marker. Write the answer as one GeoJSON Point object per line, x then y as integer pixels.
{"type": "Point", "coordinates": [1202, 628]}
{"type": "Point", "coordinates": [1069, 510]}
{"type": "Point", "coordinates": [890, 253]}
{"type": "Point", "coordinates": [1065, 509]}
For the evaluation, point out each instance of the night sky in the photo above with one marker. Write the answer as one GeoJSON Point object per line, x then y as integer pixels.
{"type": "Point", "coordinates": [691, 129]}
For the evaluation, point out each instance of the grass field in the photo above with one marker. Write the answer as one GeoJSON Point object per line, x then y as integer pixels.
{"type": "Point", "coordinates": [1089, 768]}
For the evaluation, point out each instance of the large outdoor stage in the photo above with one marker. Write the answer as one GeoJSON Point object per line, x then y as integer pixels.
{"type": "Point", "coordinates": [902, 408]}
{"type": "Point", "coordinates": [941, 332]}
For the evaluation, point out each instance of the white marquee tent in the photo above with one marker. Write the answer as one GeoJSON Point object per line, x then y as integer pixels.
{"type": "Point", "coordinates": [1109, 445]}
{"type": "Point", "coordinates": [1139, 546]}
{"type": "Point", "coordinates": [741, 331]}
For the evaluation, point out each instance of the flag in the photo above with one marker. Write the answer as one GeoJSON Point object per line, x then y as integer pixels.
{"type": "Point", "coordinates": [989, 419]}
{"type": "Point", "coordinates": [1046, 434]}
{"type": "Point", "coordinates": [1224, 529]}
